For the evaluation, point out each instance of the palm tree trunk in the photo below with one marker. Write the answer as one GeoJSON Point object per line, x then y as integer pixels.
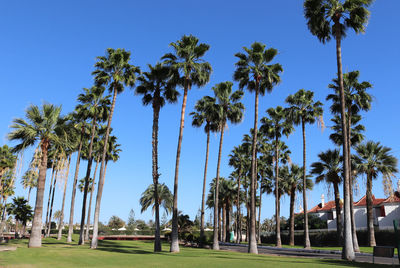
{"type": "Point", "coordinates": [306, 235]}
{"type": "Point", "coordinates": [157, 239]}
{"type": "Point", "coordinates": [259, 216]}
{"type": "Point", "coordinates": [203, 197]}
{"type": "Point", "coordinates": [227, 223]}
{"type": "Point", "coordinates": [35, 239]}
{"type": "Point", "coordinates": [90, 202]}
{"type": "Point", "coordinates": [353, 223]}
{"type": "Point", "coordinates": [223, 231]}
{"type": "Point", "coordinates": [291, 220]}
{"type": "Point", "coordinates": [71, 212]}
{"type": "Point", "coordinates": [370, 214]}
{"type": "Point", "coordinates": [277, 216]}
{"type": "Point", "coordinates": [348, 250]}
{"type": "Point", "coordinates": [338, 213]}
{"type": "Point", "coordinates": [247, 216]}
{"type": "Point", "coordinates": [60, 224]}
{"type": "Point", "coordinates": [94, 243]}
{"type": "Point", "coordinates": [216, 194]}
{"type": "Point", "coordinates": [48, 201]}
{"type": "Point", "coordinates": [51, 205]}
{"type": "Point", "coordinates": [174, 234]}
{"type": "Point", "coordinates": [238, 225]}
{"type": "Point", "coordinates": [29, 193]}
{"type": "Point", "coordinates": [252, 232]}
{"type": "Point", "coordinates": [86, 187]}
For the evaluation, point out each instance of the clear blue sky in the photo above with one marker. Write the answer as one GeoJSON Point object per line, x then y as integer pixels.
{"type": "Point", "coordinates": [48, 50]}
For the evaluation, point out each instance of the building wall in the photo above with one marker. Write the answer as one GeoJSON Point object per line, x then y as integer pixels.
{"type": "Point", "coordinates": [392, 212]}
{"type": "Point", "coordinates": [360, 216]}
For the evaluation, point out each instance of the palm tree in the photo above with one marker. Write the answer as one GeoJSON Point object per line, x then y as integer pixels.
{"type": "Point", "coordinates": [156, 88]}
{"type": "Point", "coordinates": [254, 72]}
{"type": "Point", "coordinates": [327, 19]}
{"type": "Point", "coordinates": [61, 219]}
{"type": "Point", "coordinates": [97, 106]}
{"type": "Point", "coordinates": [328, 169]}
{"type": "Point", "coordinates": [189, 69]}
{"type": "Point", "coordinates": [40, 127]}
{"type": "Point", "coordinates": [21, 210]}
{"type": "Point", "coordinates": [274, 127]}
{"type": "Point", "coordinates": [115, 72]}
{"type": "Point", "coordinates": [30, 181]}
{"type": "Point", "coordinates": [238, 160]}
{"type": "Point", "coordinates": [205, 112]}
{"type": "Point", "coordinates": [357, 99]}
{"type": "Point", "coordinates": [294, 183]}
{"type": "Point", "coordinates": [228, 194]}
{"type": "Point", "coordinates": [373, 159]}
{"type": "Point", "coordinates": [165, 198]}
{"type": "Point", "coordinates": [229, 109]}
{"type": "Point", "coordinates": [79, 132]}
{"type": "Point", "coordinates": [303, 110]}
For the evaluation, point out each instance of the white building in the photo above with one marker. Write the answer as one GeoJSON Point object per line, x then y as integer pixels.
{"type": "Point", "coordinates": [385, 210]}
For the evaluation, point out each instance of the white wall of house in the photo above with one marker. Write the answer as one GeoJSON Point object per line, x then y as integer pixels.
{"type": "Point", "coordinates": [392, 211]}
{"type": "Point", "coordinates": [360, 216]}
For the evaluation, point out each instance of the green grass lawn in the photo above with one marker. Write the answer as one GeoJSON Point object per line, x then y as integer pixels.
{"type": "Point", "coordinates": [54, 253]}
{"type": "Point", "coordinates": [362, 249]}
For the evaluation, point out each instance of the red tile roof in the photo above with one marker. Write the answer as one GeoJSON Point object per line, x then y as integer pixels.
{"type": "Point", "coordinates": [363, 201]}
{"type": "Point", "coordinates": [327, 206]}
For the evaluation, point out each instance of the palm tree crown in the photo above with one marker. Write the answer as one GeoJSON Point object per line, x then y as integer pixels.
{"type": "Point", "coordinates": [165, 198]}
{"type": "Point", "coordinates": [320, 14]}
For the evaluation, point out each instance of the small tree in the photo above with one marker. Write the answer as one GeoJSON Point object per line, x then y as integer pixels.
{"type": "Point", "coordinates": [116, 222]}
{"type": "Point", "coordinates": [22, 212]}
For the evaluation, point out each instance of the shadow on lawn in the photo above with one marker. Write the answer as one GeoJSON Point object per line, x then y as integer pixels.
{"type": "Point", "coordinates": [115, 247]}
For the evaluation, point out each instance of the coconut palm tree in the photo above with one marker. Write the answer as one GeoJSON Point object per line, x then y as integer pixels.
{"type": "Point", "coordinates": [157, 89]}
{"type": "Point", "coordinates": [274, 127]}
{"type": "Point", "coordinates": [29, 180]}
{"type": "Point", "coordinates": [205, 112]}
{"type": "Point", "coordinates": [41, 127]}
{"type": "Point", "coordinates": [328, 169]}
{"type": "Point", "coordinates": [304, 110]}
{"type": "Point", "coordinates": [189, 69]}
{"type": "Point", "coordinates": [373, 159]}
{"type": "Point", "coordinates": [254, 73]}
{"type": "Point", "coordinates": [114, 72]}
{"type": "Point", "coordinates": [327, 19]}
{"type": "Point", "coordinates": [165, 198]}
{"type": "Point", "coordinates": [97, 106]}
{"type": "Point", "coordinates": [357, 99]}
{"type": "Point", "coordinates": [229, 109]}
{"type": "Point", "coordinates": [293, 183]}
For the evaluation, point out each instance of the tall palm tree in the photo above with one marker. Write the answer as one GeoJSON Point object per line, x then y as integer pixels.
{"type": "Point", "coordinates": [293, 182]}
{"type": "Point", "coordinates": [189, 69]}
{"type": "Point", "coordinates": [165, 198]}
{"type": "Point", "coordinates": [97, 106]}
{"type": "Point", "coordinates": [229, 109]}
{"type": "Point", "coordinates": [157, 89]}
{"type": "Point", "coordinates": [29, 180]}
{"type": "Point", "coordinates": [373, 159]}
{"type": "Point", "coordinates": [238, 160]}
{"type": "Point", "coordinates": [205, 112]}
{"type": "Point", "coordinates": [304, 110]}
{"type": "Point", "coordinates": [114, 72]}
{"type": "Point", "coordinates": [80, 133]}
{"type": "Point", "coordinates": [40, 127]}
{"type": "Point", "coordinates": [357, 99]}
{"type": "Point", "coordinates": [254, 73]}
{"type": "Point", "coordinates": [327, 19]}
{"type": "Point", "coordinates": [274, 127]}
{"type": "Point", "coordinates": [328, 169]}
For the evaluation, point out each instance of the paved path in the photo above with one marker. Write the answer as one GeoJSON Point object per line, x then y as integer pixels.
{"type": "Point", "coordinates": [320, 254]}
